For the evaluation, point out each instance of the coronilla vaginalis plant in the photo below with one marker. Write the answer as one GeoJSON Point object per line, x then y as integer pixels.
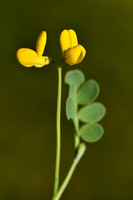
{"type": "Point", "coordinates": [80, 104]}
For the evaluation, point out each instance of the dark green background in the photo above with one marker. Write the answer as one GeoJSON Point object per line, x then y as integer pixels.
{"type": "Point", "coordinates": [28, 99]}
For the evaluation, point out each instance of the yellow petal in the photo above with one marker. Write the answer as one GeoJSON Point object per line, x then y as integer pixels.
{"type": "Point", "coordinates": [72, 55]}
{"type": "Point", "coordinates": [65, 40]}
{"type": "Point", "coordinates": [41, 42]}
{"type": "Point", "coordinates": [28, 58]}
{"type": "Point", "coordinates": [73, 38]}
{"type": "Point", "coordinates": [82, 55]}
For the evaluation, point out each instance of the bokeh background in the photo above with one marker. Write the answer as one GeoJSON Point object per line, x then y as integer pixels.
{"type": "Point", "coordinates": [28, 99]}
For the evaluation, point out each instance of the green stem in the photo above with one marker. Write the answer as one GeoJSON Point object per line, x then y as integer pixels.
{"type": "Point", "coordinates": [76, 136]}
{"type": "Point", "coordinates": [58, 132]}
{"type": "Point", "coordinates": [76, 141]}
{"type": "Point", "coordinates": [80, 153]}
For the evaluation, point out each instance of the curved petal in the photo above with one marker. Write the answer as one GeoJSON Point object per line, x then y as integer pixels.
{"type": "Point", "coordinates": [73, 38]}
{"type": "Point", "coordinates": [72, 55]}
{"type": "Point", "coordinates": [28, 58]}
{"type": "Point", "coordinates": [65, 40]}
{"type": "Point", "coordinates": [82, 55]}
{"type": "Point", "coordinates": [41, 42]}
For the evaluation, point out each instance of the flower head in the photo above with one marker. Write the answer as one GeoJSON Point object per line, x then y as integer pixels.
{"type": "Point", "coordinates": [29, 57]}
{"type": "Point", "coordinates": [73, 52]}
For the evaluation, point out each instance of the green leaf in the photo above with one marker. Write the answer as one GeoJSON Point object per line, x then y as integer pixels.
{"type": "Point", "coordinates": [71, 109]}
{"type": "Point", "coordinates": [91, 132]}
{"type": "Point", "coordinates": [87, 92]}
{"type": "Point", "coordinates": [93, 112]}
{"type": "Point", "coordinates": [75, 77]}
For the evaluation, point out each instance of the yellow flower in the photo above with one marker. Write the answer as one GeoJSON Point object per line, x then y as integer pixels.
{"type": "Point", "coordinates": [73, 52]}
{"type": "Point", "coordinates": [29, 58]}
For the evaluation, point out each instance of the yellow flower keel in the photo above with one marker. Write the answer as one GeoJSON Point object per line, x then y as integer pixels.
{"type": "Point", "coordinates": [72, 55]}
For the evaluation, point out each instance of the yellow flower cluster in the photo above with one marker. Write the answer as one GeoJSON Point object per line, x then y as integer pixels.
{"type": "Point", "coordinates": [73, 52]}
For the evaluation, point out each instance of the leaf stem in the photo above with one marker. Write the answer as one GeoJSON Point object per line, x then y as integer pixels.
{"type": "Point", "coordinates": [76, 142]}
{"type": "Point", "coordinates": [58, 132]}
{"type": "Point", "coordinates": [76, 160]}
{"type": "Point", "coordinates": [76, 135]}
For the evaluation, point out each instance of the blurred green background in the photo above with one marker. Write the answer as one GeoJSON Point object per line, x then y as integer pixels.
{"type": "Point", "coordinates": [28, 99]}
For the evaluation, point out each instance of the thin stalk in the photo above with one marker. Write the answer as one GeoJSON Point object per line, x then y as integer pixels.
{"type": "Point", "coordinates": [76, 135]}
{"type": "Point", "coordinates": [76, 142]}
{"type": "Point", "coordinates": [58, 132]}
{"type": "Point", "coordinates": [80, 153]}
